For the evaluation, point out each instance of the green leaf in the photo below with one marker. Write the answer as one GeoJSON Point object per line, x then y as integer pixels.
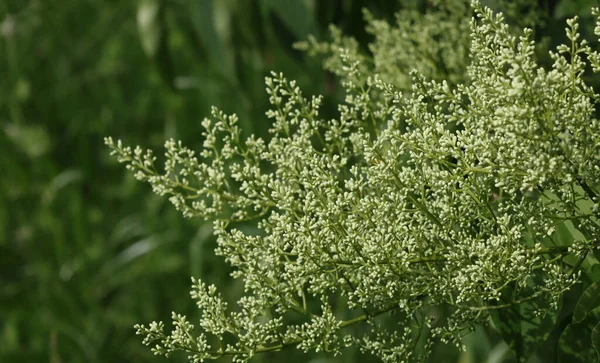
{"type": "Point", "coordinates": [211, 21]}
{"type": "Point", "coordinates": [295, 14]}
{"type": "Point", "coordinates": [596, 339]}
{"type": "Point", "coordinates": [563, 234]}
{"type": "Point", "coordinates": [589, 300]}
{"type": "Point", "coordinates": [149, 25]}
{"type": "Point", "coordinates": [154, 35]}
{"type": "Point", "coordinates": [594, 272]}
{"type": "Point", "coordinates": [574, 344]}
{"type": "Point", "coordinates": [60, 182]}
{"type": "Point", "coordinates": [597, 254]}
{"type": "Point", "coordinates": [33, 140]}
{"type": "Point", "coordinates": [566, 9]}
{"type": "Point", "coordinates": [521, 328]}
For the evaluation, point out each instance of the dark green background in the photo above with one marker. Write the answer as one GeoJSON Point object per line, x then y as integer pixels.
{"type": "Point", "coordinates": [86, 251]}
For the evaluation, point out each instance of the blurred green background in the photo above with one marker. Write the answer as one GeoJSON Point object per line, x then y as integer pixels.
{"type": "Point", "coordinates": [86, 251]}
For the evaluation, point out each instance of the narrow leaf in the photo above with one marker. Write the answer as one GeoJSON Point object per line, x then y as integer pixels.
{"type": "Point", "coordinates": [207, 15]}
{"type": "Point", "coordinates": [149, 26]}
{"type": "Point", "coordinates": [295, 14]}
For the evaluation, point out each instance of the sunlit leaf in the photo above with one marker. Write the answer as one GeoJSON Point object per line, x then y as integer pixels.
{"type": "Point", "coordinates": [33, 140]}
{"type": "Point", "coordinates": [149, 25]}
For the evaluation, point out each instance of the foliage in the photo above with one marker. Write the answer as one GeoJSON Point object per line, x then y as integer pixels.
{"type": "Point", "coordinates": [81, 244]}
{"type": "Point", "coordinates": [430, 205]}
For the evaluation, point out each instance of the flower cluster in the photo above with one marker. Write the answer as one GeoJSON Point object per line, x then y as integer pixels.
{"type": "Point", "coordinates": [440, 198]}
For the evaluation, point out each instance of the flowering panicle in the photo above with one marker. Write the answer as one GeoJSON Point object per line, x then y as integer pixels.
{"type": "Point", "coordinates": [430, 190]}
